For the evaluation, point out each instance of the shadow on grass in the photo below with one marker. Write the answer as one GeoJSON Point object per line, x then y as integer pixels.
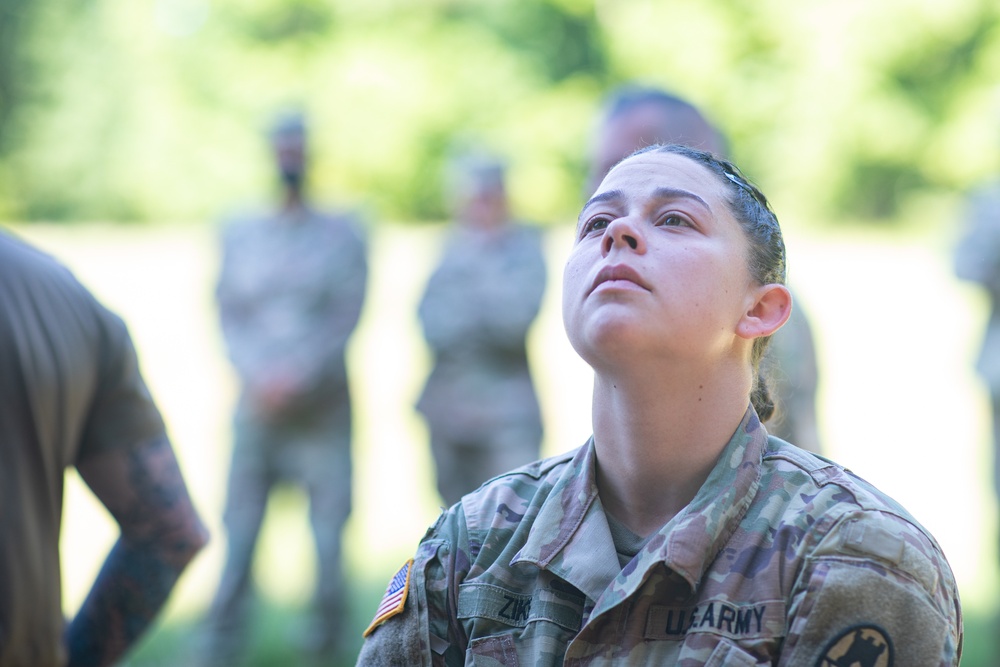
{"type": "Point", "coordinates": [272, 639]}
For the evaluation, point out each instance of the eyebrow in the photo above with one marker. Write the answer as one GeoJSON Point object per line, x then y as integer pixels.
{"type": "Point", "coordinates": [674, 193]}
{"type": "Point", "coordinates": [659, 193]}
{"type": "Point", "coordinates": [603, 197]}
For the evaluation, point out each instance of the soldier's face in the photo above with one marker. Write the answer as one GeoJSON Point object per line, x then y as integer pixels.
{"type": "Point", "coordinates": [621, 136]}
{"type": "Point", "coordinates": [643, 126]}
{"type": "Point", "coordinates": [290, 156]}
{"type": "Point", "coordinates": [484, 208]}
{"type": "Point", "coordinates": [658, 266]}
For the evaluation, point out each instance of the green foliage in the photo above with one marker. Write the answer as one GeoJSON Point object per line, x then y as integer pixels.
{"type": "Point", "coordinates": [149, 111]}
{"type": "Point", "coordinates": [559, 43]}
{"type": "Point", "coordinates": [266, 24]}
{"type": "Point", "coordinates": [919, 82]}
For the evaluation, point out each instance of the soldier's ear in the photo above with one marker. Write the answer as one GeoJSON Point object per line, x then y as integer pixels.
{"type": "Point", "coordinates": [768, 309]}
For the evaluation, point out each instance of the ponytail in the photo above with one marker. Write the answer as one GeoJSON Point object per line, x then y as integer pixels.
{"type": "Point", "coordinates": [760, 397]}
{"type": "Point", "coordinates": [760, 392]}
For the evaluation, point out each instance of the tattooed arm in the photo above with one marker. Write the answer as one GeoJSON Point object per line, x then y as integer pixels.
{"type": "Point", "coordinates": [144, 491]}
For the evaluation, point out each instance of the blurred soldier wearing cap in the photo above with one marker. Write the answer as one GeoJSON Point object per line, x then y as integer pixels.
{"type": "Point", "coordinates": [290, 293]}
{"type": "Point", "coordinates": [479, 401]}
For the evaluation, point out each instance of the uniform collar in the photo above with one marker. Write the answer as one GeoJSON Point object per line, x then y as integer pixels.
{"type": "Point", "coordinates": [690, 541]}
{"type": "Point", "coordinates": [570, 535]}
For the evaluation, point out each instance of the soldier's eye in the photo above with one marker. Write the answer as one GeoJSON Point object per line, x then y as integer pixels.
{"type": "Point", "coordinates": [596, 224]}
{"type": "Point", "coordinates": [674, 220]}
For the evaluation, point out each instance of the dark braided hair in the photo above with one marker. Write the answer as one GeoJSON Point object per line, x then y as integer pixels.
{"type": "Point", "coordinates": [767, 246]}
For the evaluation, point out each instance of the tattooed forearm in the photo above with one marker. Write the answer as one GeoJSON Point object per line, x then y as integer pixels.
{"type": "Point", "coordinates": [125, 598]}
{"type": "Point", "coordinates": [145, 492]}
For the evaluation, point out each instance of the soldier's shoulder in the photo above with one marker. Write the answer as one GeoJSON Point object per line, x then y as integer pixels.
{"type": "Point", "coordinates": [526, 233]}
{"type": "Point", "coordinates": [346, 225]}
{"type": "Point", "coordinates": [986, 192]}
{"type": "Point", "coordinates": [818, 477]}
{"type": "Point", "coordinates": [515, 489]}
{"type": "Point", "coordinates": [339, 218]}
{"type": "Point", "coordinates": [242, 222]}
{"type": "Point", "coordinates": [30, 267]}
{"type": "Point", "coordinates": [19, 256]}
{"type": "Point", "coordinates": [843, 510]}
{"type": "Point", "coordinates": [849, 525]}
{"type": "Point", "coordinates": [983, 204]}
{"type": "Point", "coordinates": [534, 471]}
{"type": "Point", "coordinates": [527, 228]}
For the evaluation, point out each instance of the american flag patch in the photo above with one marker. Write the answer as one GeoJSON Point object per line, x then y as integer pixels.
{"type": "Point", "coordinates": [394, 598]}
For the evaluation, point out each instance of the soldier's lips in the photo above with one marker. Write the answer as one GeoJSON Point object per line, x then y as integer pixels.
{"type": "Point", "coordinates": [618, 276]}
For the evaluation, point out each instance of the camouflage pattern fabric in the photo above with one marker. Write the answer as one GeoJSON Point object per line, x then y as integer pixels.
{"type": "Point", "coordinates": [782, 558]}
{"type": "Point", "coordinates": [479, 401]}
{"type": "Point", "coordinates": [290, 294]}
{"type": "Point", "coordinates": [977, 259]}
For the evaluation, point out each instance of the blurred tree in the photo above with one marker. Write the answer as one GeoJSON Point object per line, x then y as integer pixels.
{"type": "Point", "coordinates": [15, 30]}
{"type": "Point", "coordinates": [920, 81]}
{"type": "Point", "coordinates": [274, 21]}
{"type": "Point", "coordinates": [17, 70]}
{"type": "Point", "coordinates": [152, 111]}
{"type": "Point", "coordinates": [560, 43]}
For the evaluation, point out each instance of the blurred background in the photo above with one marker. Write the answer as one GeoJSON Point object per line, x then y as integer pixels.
{"type": "Point", "coordinates": [128, 128]}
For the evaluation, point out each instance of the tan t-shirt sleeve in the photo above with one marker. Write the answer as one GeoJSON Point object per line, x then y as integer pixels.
{"type": "Point", "coordinates": [123, 413]}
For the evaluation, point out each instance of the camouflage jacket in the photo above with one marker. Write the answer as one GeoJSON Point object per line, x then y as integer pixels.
{"type": "Point", "coordinates": [476, 311]}
{"type": "Point", "coordinates": [782, 558]}
{"type": "Point", "coordinates": [977, 259]}
{"type": "Point", "coordinates": [290, 292]}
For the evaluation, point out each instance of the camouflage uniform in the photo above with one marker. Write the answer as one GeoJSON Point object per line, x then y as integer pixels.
{"type": "Point", "coordinates": [479, 401]}
{"type": "Point", "coordinates": [977, 259]}
{"type": "Point", "coordinates": [290, 293]}
{"type": "Point", "coordinates": [782, 558]}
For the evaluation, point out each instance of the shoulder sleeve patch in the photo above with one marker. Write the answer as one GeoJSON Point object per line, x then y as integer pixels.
{"type": "Point", "coordinates": [857, 615]}
{"type": "Point", "coordinates": [394, 599]}
{"type": "Point", "coordinates": [867, 645]}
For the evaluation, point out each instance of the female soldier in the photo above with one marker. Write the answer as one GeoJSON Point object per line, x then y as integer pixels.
{"type": "Point", "coordinates": [680, 533]}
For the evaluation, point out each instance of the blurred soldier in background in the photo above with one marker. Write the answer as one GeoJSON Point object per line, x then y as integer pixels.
{"type": "Point", "coordinates": [71, 394]}
{"type": "Point", "coordinates": [290, 294]}
{"type": "Point", "coordinates": [638, 116]}
{"type": "Point", "coordinates": [977, 259]}
{"type": "Point", "coordinates": [479, 401]}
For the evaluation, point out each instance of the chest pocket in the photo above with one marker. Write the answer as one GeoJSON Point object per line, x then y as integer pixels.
{"type": "Point", "coordinates": [730, 655]}
{"type": "Point", "coordinates": [511, 628]}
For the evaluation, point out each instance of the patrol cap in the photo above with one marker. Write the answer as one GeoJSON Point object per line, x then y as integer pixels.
{"type": "Point", "coordinates": [471, 172]}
